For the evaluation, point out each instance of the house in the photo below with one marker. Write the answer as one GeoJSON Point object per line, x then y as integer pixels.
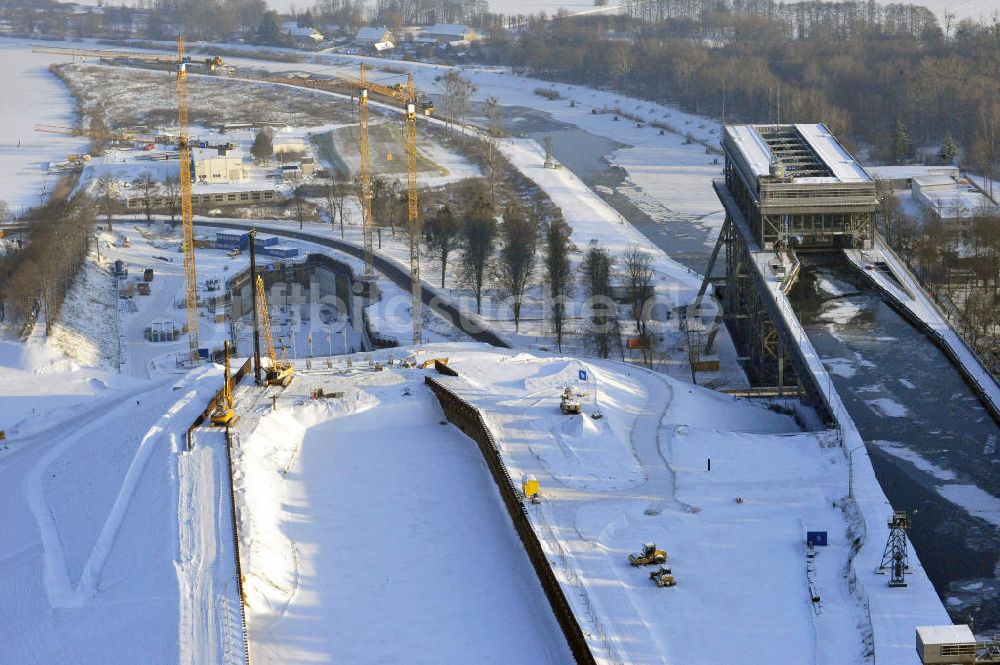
{"type": "Point", "coordinates": [377, 38]}
{"type": "Point", "coordinates": [446, 33]}
{"type": "Point", "coordinates": [950, 198]}
{"type": "Point", "coordinates": [223, 164]}
{"type": "Point", "coordinates": [301, 35]}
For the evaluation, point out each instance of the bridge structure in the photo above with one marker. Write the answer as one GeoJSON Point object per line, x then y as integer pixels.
{"type": "Point", "coordinates": [787, 189]}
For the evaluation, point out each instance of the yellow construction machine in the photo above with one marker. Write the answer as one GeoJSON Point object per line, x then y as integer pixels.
{"type": "Point", "coordinates": [647, 556]}
{"type": "Point", "coordinates": [432, 361]}
{"type": "Point", "coordinates": [278, 372]}
{"type": "Point", "coordinates": [223, 414]}
{"type": "Point", "coordinates": [663, 577]}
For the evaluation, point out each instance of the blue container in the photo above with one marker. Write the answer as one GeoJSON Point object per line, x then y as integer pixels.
{"type": "Point", "coordinates": [281, 251]}
{"type": "Point", "coordinates": [203, 353]}
{"type": "Point", "coordinates": [120, 269]}
{"type": "Point", "coordinates": [232, 240]}
{"type": "Point", "coordinates": [816, 538]}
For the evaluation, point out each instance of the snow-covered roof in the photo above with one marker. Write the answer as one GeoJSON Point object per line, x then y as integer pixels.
{"type": "Point", "coordinates": [909, 171]}
{"type": "Point", "coordinates": [837, 164]}
{"type": "Point", "coordinates": [453, 29]}
{"type": "Point", "coordinates": [935, 181]}
{"type": "Point", "coordinates": [213, 153]}
{"type": "Point", "coordinates": [960, 634]}
{"type": "Point", "coordinates": [370, 34]}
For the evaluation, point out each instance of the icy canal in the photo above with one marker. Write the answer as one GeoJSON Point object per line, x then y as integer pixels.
{"type": "Point", "coordinates": [932, 442]}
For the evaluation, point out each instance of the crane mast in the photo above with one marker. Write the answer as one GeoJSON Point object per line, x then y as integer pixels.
{"type": "Point", "coordinates": [413, 209]}
{"type": "Point", "coordinates": [366, 177]}
{"type": "Point", "coordinates": [187, 216]}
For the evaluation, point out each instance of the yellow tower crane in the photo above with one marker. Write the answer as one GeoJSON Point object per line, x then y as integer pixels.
{"type": "Point", "coordinates": [365, 176]}
{"type": "Point", "coordinates": [407, 96]}
{"type": "Point", "coordinates": [279, 372]}
{"type": "Point", "coordinates": [187, 217]}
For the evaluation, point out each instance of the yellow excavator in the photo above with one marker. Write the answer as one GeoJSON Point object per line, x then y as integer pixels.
{"type": "Point", "coordinates": [223, 414]}
{"type": "Point", "coordinates": [278, 372]}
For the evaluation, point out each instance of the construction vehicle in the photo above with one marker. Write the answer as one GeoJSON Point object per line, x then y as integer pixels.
{"type": "Point", "coordinates": [223, 415]}
{"type": "Point", "coordinates": [278, 372]}
{"type": "Point", "coordinates": [569, 404]}
{"type": "Point", "coordinates": [433, 361]}
{"type": "Point", "coordinates": [663, 577]}
{"type": "Point", "coordinates": [649, 555]}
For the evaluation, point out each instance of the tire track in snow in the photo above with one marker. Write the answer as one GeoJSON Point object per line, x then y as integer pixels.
{"type": "Point", "coordinates": [61, 590]}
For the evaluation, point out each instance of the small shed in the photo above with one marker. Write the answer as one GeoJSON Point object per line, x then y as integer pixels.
{"type": "Point", "coordinates": [946, 645]}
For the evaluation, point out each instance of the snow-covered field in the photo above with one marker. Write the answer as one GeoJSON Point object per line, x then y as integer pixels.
{"type": "Point", "coordinates": [372, 534]}
{"type": "Point", "coordinates": [25, 153]}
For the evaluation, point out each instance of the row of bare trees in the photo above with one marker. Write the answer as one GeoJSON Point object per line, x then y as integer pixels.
{"type": "Point", "coordinates": [41, 271]}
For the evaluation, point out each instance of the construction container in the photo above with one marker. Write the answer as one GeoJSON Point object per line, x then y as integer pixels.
{"type": "Point", "coordinates": [281, 251]}
{"type": "Point", "coordinates": [946, 645]}
{"type": "Point", "coordinates": [263, 240]}
{"type": "Point", "coordinates": [147, 275]}
{"type": "Point", "coordinates": [529, 485]}
{"type": "Point", "coordinates": [121, 268]}
{"type": "Point", "coordinates": [142, 288]}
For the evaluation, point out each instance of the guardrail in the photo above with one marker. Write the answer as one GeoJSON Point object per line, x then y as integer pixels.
{"type": "Point", "coordinates": [236, 548]}
{"type": "Point", "coordinates": [243, 370]}
{"type": "Point", "coordinates": [470, 420]}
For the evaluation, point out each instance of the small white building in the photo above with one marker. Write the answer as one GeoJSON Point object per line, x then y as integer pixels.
{"type": "Point", "coordinates": [305, 35]}
{"type": "Point", "coordinates": [222, 165]}
{"type": "Point", "coordinates": [450, 32]}
{"type": "Point", "coordinates": [950, 197]}
{"type": "Point", "coordinates": [946, 645]}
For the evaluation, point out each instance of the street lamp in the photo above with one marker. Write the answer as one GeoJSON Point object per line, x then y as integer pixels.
{"type": "Point", "coordinates": [850, 472]}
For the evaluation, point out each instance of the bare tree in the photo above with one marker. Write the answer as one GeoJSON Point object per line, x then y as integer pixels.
{"type": "Point", "coordinates": [457, 90]}
{"type": "Point", "coordinates": [492, 145]}
{"type": "Point", "coordinates": [107, 194]}
{"type": "Point", "coordinates": [334, 194]}
{"type": "Point", "coordinates": [557, 270]}
{"type": "Point", "coordinates": [639, 273]}
{"type": "Point", "coordinates": [597, 266]}
{"type": "Point", "coordinates": [172, 192]}
{"type": "Point", "coordinates": [441, 235]}
{"type": "Point", "coordinates": [479, 231]}
{"type": "Point", "coordinates": [519, 239]}
{"type": "Point", "coordinates": [299, 201]}
{"type": "Point", "coordinates": [4, 211]}
{"type": "Point", "coordinates": [148, 188]}
{"type": "Point", "coordinates": [888, 211]}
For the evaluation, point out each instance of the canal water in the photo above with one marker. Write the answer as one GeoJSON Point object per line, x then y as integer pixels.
{"type": "Point", "coordinates": [933, 444]}
{"type": "Point", "coordinates": [929, 436]}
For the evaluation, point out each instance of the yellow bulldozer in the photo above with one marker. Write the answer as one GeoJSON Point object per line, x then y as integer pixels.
{"type": "Point", "coordinates": [647, 556]}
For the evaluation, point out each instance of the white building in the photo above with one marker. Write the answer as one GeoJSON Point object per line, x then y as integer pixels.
{"type": "Point", "coordinates": [450, 32]}
{"type": "Point", "coordinates": [306, 35]}
{"type": "Point", "coordinates": [950, 198]}
{"type": "Point", "coordinates": [220, 165]}
{"type": "Point", "coordinates": [378, 37]}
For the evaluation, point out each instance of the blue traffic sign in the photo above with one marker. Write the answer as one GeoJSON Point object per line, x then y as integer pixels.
{"type": "Point", "coordinates": [583, 375]}
{"type": "Point", "coordinates": [816, 538]}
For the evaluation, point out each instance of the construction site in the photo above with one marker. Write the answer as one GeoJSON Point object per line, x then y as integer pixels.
{"type": "Point", "coordinates": [258, 407]}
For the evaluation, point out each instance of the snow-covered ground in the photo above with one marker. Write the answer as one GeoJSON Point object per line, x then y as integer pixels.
{"type": "Point", "coordinates": [373, 534]}
{"type": "Point", "coordinates": [89, 479]}
{"type": "Point", "coordinates": [735, 534]}
{"type": "Point", "coordinates": [25, 153]}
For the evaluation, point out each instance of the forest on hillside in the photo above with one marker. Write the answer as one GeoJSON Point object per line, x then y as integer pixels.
{"type": "Point", "coordinates": [886, 78]}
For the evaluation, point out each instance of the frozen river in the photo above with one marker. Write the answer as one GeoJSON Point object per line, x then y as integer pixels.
{"type": "Point", "coordinates": [31, 95]}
